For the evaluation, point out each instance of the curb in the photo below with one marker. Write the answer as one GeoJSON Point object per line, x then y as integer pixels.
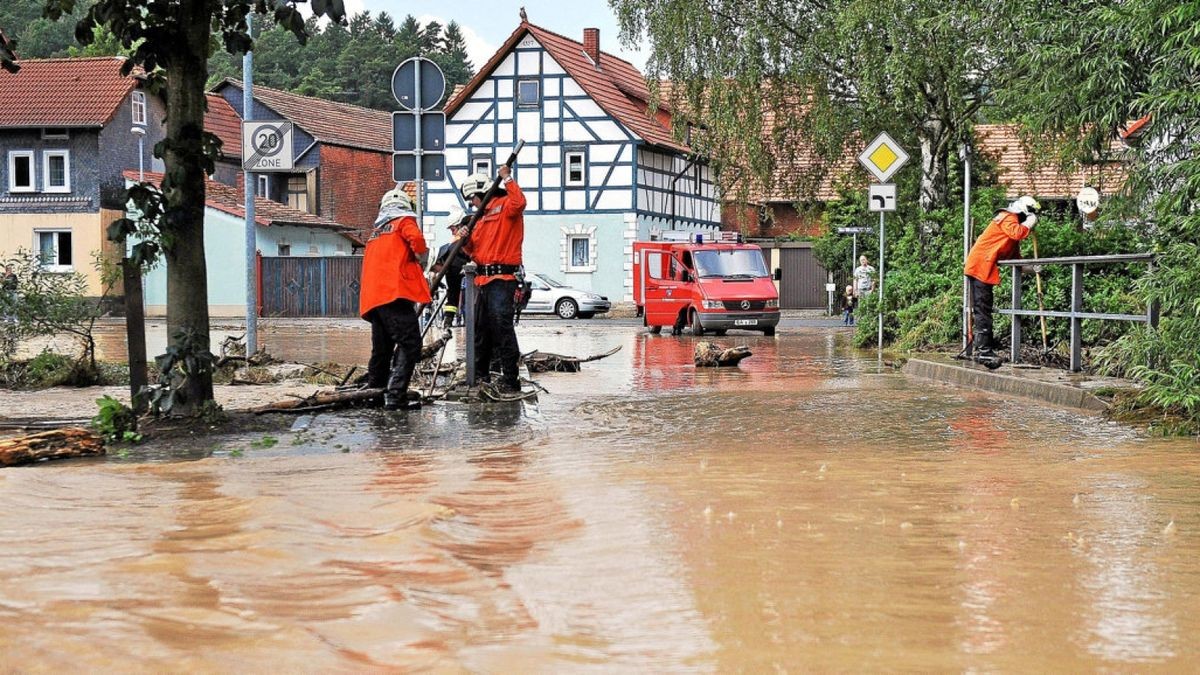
{"type": "Point", "coordinates": [999, 383]}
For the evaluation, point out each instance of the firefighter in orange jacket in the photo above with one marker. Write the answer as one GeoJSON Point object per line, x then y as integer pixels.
{"type": "Point", "coordinates": [495, 246]}
{"type": "Point", "coordinates": [1000, 240]}
{"type": "Point", "coordinates": [393, 279]}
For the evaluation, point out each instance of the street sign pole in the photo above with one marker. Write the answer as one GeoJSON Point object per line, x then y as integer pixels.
{"type": "Point", "coordinates": [882, 158]}
{"type": "Point", "coordinates": [881, 237]}
{"type": "Point", "coordinates": [854, 251]}
{"type": "Point", "coordinates": [251, 237]}
{"type": "Point", "coordinates": [420, 165]}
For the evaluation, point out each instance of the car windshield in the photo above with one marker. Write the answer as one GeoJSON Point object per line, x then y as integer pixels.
{"type": "Point", "coordinates": [553, 283]}
{"type": "Point", "coordinates": [728, 263]}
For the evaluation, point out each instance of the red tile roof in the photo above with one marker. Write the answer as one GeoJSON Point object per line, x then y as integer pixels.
{"type": "Point", "coordinates": [327, 121]}
{"type": "Point", "coordinates": [222, 120]}
{"type": "Point", "coordinates": [616, 86]}
{"type": "Point", "coordinates": [232, 200]}
{"type": "Point", "coordinates": [1018, 172]}
{"type": "Point", "coordinates": [82, 92]}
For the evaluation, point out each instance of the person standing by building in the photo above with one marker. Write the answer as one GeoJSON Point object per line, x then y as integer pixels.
{"type": "Point", "coordinates": [495, 246]}
{"type": "Point", "coordinates": [393, 279]}
{"type": "Point", "coordinates": [864, 277]}
{"type": "Point", "coordinates": [1000, 240]}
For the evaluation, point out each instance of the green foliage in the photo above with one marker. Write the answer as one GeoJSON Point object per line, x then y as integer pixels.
{"type": "Point", "coordinates": [265, 442]}
{"type": "Point", "coordinates": [187, 357]}
{"type": "Point", "coordinates": [115, 421]}
{"type": "Point", "coordinates": [45, 304]}
{"type": "Point", "coordinates": [351, 63]}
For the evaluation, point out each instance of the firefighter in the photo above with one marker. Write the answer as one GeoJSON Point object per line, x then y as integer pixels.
{"type": "Point", "coordinates": [453, 276]}
{"type": "Point", "coordinates": [1000, 240]}
{"type": "Point", "coordinates": [495, 246]}
{"type": "Point", "coordinates": [393, 279]}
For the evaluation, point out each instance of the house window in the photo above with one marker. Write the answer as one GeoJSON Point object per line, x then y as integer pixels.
{"type": "Point", "coordinates": [575, 168]}
{"type": "Point", "coordinates": [58, 134]}
{"type": "Point", "coordinates": [529, 93]}
{"type": "Point", "coordinates": [139, 108]}
{"type": "Point", "coordinates": [285, 250]}
{"type": "Point", "coordinates": [56, 165]}
{"type": "Point", "coordinates": [481, 165]}
{"type": "Point", "coordinates": [54, 248]}
{"type": "Point", "coordinates": [297, 192]}
{"type": "Point", "coordinates": [580, 247]}
{"type": "Point", "coordinates": [264, 186]}
{"type": "Point", "coordinates": [20, 171]}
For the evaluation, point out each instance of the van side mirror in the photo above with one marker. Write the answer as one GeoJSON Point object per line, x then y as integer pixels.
{"type": "Point", "coordinates": [778, 274]}
{"type": "Point", "coordinates": [685, 276]}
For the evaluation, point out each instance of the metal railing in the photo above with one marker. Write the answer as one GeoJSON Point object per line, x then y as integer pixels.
{"type": "Point", "coordinates": [1076, 313]}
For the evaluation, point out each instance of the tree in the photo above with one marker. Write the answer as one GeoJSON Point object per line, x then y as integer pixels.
{"type": "Point", "coordinates": [825, 74]}
{"type": "Point", "coordinates": [452, 56]}
{"type": "Point", "coordinates": [172, 42]}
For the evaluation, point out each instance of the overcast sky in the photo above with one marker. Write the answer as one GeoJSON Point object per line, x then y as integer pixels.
{"type": "Point", "coordinates": [486, 24]}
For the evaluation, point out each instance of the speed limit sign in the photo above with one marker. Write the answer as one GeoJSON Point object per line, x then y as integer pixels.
{"type": "Point", "coordinates": [267, 146]}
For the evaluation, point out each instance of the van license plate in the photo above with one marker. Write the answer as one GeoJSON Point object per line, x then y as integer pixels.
{"type": "Point", "coordinates": [745, 322]}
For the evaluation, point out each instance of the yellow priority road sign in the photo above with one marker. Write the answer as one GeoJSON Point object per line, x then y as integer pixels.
{"type": "Point", "coordinates": [883, 157]}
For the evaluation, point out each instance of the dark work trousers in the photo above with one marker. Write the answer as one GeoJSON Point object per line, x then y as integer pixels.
{"type": "Point", "coordinates": [495, 336]}
{"type": "Point", "coordinates": [395, 345]}
{"type": "Point", "coordinates": [981, 314]}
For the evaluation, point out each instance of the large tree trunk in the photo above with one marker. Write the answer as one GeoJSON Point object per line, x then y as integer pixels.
{"type": "Point", "coordinates": [187, 279]}
{"type": "Point", "coordinates": [933, 137]}
{"type": "Point", "coordinates": [53, 444]}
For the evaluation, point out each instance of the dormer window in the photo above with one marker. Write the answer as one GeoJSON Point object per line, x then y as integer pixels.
{"type": "Point", "coordinates": [139, 108]}
{"type": "Point", "coordinates": [529, 93]}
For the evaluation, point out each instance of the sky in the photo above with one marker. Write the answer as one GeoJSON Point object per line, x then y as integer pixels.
{"type": "Point", "coordinates": [485, 25]}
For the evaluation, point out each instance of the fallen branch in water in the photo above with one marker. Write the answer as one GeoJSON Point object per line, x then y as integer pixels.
{"type": "Point", "coordinates": [713, 355]}
{"type": "Point", "coordinates": [541, 362]}
{"type": "Point", "coordinates": [55, 444]}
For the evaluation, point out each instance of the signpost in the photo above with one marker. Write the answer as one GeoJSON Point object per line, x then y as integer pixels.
{"type": "Point", "coordinates": [267, 146]}
{"type": "Point", "coordinates": [854, 247]}
{"type": "Point", "coordinates": [418, 133]}
{"type": "Point", "coordinates": [882, 158]}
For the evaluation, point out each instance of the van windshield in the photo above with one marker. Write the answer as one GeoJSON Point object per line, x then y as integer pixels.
{"type": "Point", "coordinates": [727, 263]}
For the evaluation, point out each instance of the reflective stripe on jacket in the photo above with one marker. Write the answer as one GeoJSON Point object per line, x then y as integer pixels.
{"type": "Point", "coordinates": [499, 234]}
{"type": "Point", "coordinates": [390, 268]}
{"type": "Point", "coordinates": [1000, 241]}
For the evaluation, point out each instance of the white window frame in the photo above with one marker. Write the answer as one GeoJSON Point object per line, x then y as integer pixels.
{"type": "Point", "coordinates": [480, 164]}
{"type": "Point", "coordinates": [537, 97]}
{"type": "Point", "coordinates": [66, 156]}
{"type": "Point", "coordinates": [567, 248]}
{"type": "Point", "coordinates": [12, 171]}
{"type": "Point", "coordinates": [583, 168]}
{"type": "Point", "coordinates": [49, 135]}
{"type": "Point", "coordinates": [55, 267]}
{"type": "Point", "coordinates": [138, 103]}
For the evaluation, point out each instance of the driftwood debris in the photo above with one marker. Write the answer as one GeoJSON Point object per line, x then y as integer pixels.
{"type": "Point", "coordinates": [713, 355]}
{"type": "Point", "coordinates": [54, 444]}
{"type": "Point", "coordinates": [542, 362]}
{"type": "Point", "coordinates": [322, 400]}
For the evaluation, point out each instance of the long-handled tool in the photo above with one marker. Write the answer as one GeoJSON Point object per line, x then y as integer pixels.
{"type": "Point", "coordinates": [1037, 271]}
{"type": "Point", "coordinates": [492, 193]}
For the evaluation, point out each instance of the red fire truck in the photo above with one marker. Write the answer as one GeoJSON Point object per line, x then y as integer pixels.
{"type": "Point", "coordinates": [710, 284]}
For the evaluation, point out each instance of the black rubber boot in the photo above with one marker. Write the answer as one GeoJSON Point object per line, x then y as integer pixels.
{"type": "Point", "coordinates": [396, 394]}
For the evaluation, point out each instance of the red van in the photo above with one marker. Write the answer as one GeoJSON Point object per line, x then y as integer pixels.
{"type": "Point", "coordinates": [711, 285]}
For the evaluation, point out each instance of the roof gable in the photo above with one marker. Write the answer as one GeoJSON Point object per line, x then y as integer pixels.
{"type": "Point", "coordinates": [221, 119]}
{"type": "Point", "coordinates": [327, 121]}
{"type": "Point", "coordinates": [84, 92]}
{"type": "Point", "coordinates": [614, 84]}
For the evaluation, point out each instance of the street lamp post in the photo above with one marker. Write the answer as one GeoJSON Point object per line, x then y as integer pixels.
{"type": "Point", "coordinates": [135, 316]}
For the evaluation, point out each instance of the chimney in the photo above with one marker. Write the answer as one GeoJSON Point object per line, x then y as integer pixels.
{"type": "Point", "coordinates": [591, 44]}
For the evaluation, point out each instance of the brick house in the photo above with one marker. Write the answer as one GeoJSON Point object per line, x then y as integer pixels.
{"type": "Point", "coordinates": [343, 153]}
{"type": "Point", "coordinates": [66, 135]}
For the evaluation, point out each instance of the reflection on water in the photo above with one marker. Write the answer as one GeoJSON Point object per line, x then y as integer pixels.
{"type": "Point", "coordinates": [802, 512]}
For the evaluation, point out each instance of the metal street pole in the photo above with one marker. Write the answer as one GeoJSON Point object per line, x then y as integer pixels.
{"type": "Point", "coordinates": [135, 309]}
{"type": "Point", "coordinates": [419, 108]}
{"type": "Point", "coordinates": [248, 180]}
{"type": "Point", "coordinates": [854, 254]}
{"type": "Point", "coordinates": [881, 237]}
{"type": "Point", "coordinates": [967, 236]}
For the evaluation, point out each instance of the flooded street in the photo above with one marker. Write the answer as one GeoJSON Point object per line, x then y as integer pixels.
{"type": "Point", "coordinates": [802, 512]}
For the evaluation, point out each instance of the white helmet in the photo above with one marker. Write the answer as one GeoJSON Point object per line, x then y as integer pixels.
{"type": "Point", "coordinates": [1024, 205]}
{"type": "Point", "coordinates": [475, 184]}
{"type": "Point", "coordinates": [456, 218]}
{"type": "Point", "coordinates": [396, 197]}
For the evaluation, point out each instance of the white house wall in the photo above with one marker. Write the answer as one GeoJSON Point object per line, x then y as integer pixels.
{"type": "Point", "coordinates": [668, 188]}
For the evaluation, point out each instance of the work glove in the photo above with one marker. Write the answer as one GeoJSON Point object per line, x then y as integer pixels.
{"type": "Point", "coordinates": [1030, 220]}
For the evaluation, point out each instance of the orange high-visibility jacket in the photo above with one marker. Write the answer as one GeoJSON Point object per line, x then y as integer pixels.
{"type": "Point", "coordinates": [390, 268]}
{"type": "Point", "coordinates": [1000, 241]}
{"type": "Point", "coordinates": [499, 233]}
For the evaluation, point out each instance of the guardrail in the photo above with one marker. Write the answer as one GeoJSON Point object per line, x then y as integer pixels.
{"type": "Point", "coordinates": [1076, 313]}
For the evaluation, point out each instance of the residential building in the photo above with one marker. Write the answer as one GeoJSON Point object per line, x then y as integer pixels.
{"type": "Point", "coordinates": [66, 135]}
{"type": "Point", "coordinates": [282, 232]}
{"type": "Point", "coordinates": [599, 169]}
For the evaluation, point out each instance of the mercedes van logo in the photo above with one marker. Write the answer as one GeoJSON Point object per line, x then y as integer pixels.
{"type": "Point", "coordinates": [745, 304]}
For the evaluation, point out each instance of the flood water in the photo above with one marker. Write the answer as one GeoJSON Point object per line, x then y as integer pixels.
{"type": "Point", "coordinates": [803, 512]}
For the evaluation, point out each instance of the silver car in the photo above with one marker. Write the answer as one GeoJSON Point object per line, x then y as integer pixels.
{"type": "Point", "coordinates": [551, 296]}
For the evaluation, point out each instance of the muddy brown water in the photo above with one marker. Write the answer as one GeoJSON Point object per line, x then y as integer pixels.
{"type": "Point", "coordinates": [803, 512]}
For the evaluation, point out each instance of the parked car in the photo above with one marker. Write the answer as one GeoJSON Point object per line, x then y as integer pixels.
{"type": "Point", "coordinates": [550, 296]}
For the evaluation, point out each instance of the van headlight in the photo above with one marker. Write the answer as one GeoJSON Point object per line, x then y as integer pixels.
{"type": "Point", "coordinates": [713, 304]}
{"type": "Point", "coordinates": [773, 303]}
